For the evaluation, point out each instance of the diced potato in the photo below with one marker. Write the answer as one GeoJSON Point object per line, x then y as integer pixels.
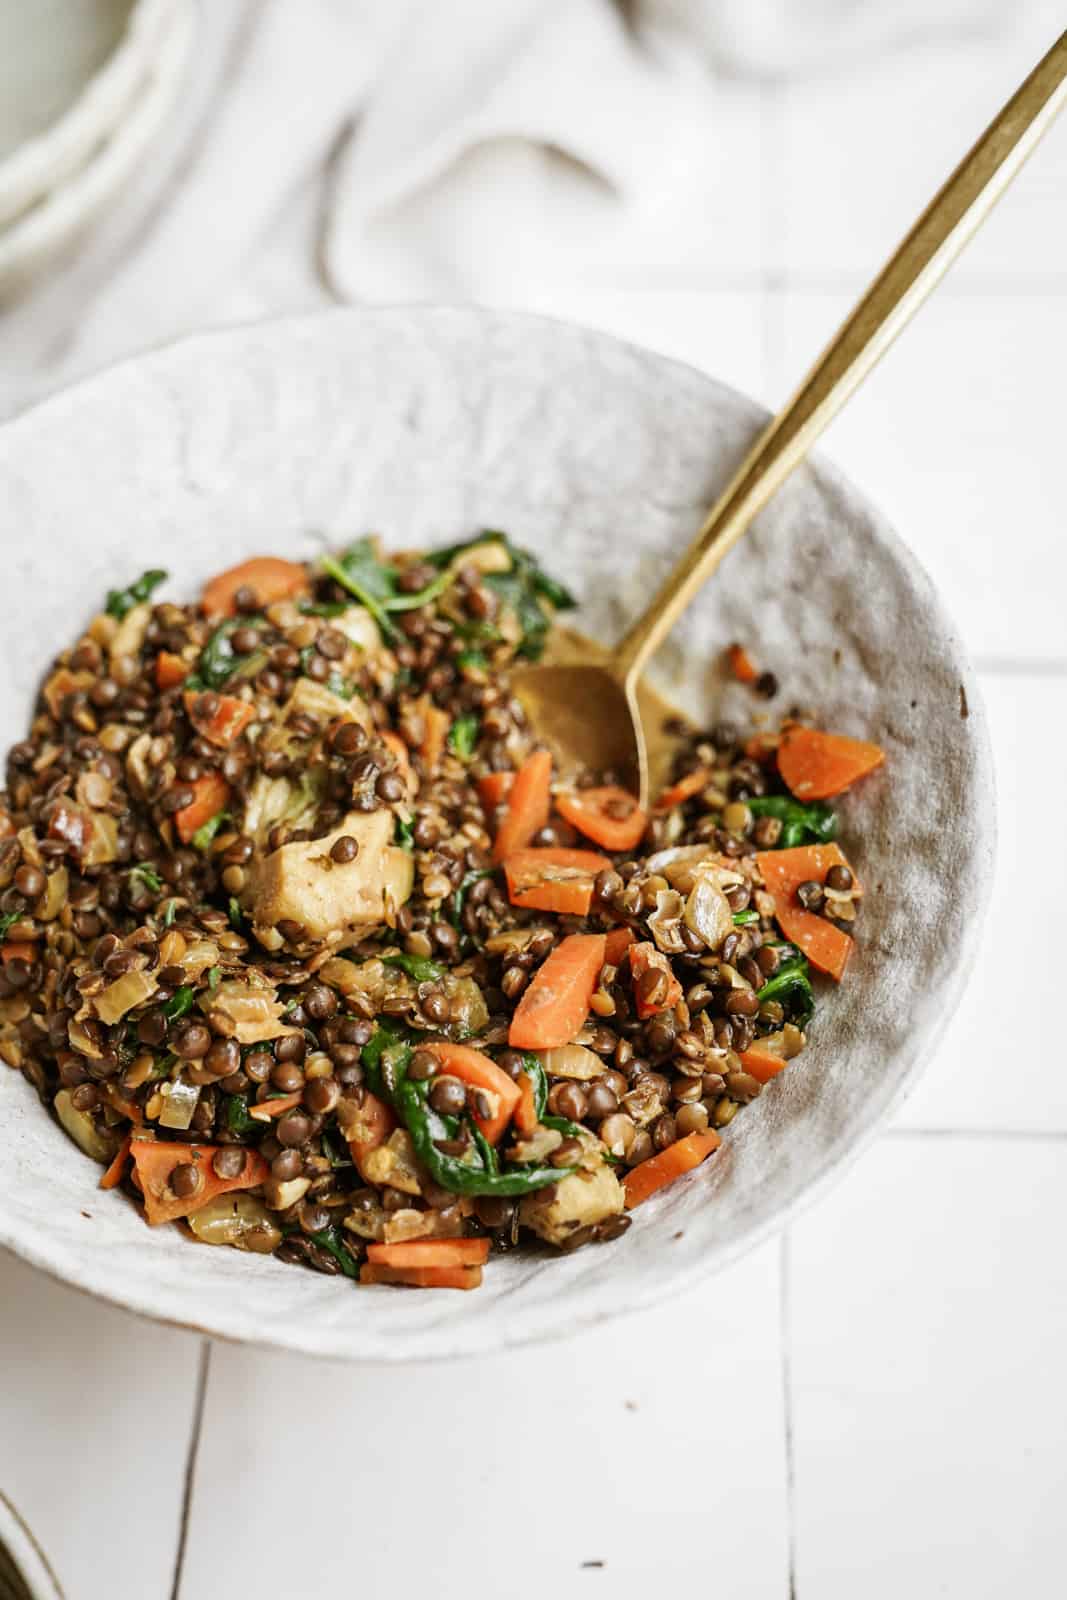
{"type": "Point", "coordinates": [302, 883]}
{"type": "Point", "coordinates": [579, 1201]}
{"type": "Point", "coordinates": [82, 1129]}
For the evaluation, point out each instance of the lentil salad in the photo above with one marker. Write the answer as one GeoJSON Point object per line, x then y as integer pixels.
{"type": "Point", "coordinates": [309, 943]}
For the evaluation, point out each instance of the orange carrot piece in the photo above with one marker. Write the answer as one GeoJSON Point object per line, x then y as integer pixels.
{"type": "Point", "coordinates": [551, 879]}
{"type": "Point", "coordinates": [494, 788]}
{"type": "Point", "coordinates": [422, 1277]}
{"type": "Point", "coordinates": [122, 1103]}
{"type": "Point", "coordinates": [825, 946]}
{"type": "Point", "coordinates": [155, 1159]}
{"type": "Point", "coordinates": [435, 725]}
{"type": "Point", "coordinates": [649, 1176]}
{"type": "Point", "coordinates": [376, 1123]}
{"type": "Point", "coordinates": [684, 789]}
{"type": "Point", "coordinates": [761, 1063]}
{"type": "Point", "coordinates": [816, 765]}
{"type": "Point", "coordinates": [616, 943]}
{"type": "Point", "coordinates": [609, 815]}
{"type": "Point", "coordinates": [646, 958]}
{"type": "Point", "coordinates": [761, 746]}
{"type": "Point", "coordinates": [477, 1070]}
{"type": "Point", "coordinates": [268, 577]}
{"type": "Point", "coordinates": [430, 1253]}
{"type": "Point", "coordinates": [556, 1003]}
{"type": "Point", "coordinates": [227, 718]}
{"type": "Point", "coordinates": [113, 1176]}
{"type": "Point", "coordinates": [525, 1117]}
{"type": "Point", "coordinates": [210, 796]}
{"type": "Point", "coordinates": [170, 670]}
{"type": "Point", "coordinates": [527, 805]}
{"type": "Point", "coordinates": [267, 1110]}
{"type": "Point", "coordinates": [741, 664]}
{"type": "Point", "coordinates": [18, 951]}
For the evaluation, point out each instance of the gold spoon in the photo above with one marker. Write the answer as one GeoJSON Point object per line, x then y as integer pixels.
{"type": "Point", "coordinates": [590, 712]}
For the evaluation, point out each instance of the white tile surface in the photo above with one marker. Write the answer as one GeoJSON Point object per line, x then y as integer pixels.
{"type": "Point", "coordinates": [95, 1412]}
{"type": "Point", "coordinates": [979, 1077]}
{"type": "Point", "coordinates": [655, 1446]}
{"type": "Point", "coordinates": [958, 437]}
{"type": "Point", "coordinates": [928, 1314]}
{"type": "Point", "coordinates": [863, 151]}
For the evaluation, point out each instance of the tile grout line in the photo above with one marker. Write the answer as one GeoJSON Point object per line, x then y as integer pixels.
{"type": "Point", "coordinates": [192, 1451]}
{"type": "Point", "coordinates": [784, 1303]}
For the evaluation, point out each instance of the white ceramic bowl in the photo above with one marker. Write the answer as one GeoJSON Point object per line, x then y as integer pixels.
{"type": "Point", "coordinates": [424, 424]}
{"type": "Point", "coordinates": [22, 1561]}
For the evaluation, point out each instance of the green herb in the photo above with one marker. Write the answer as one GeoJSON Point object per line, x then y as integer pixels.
{"type": "Point", "coordinates": [207, 830]}
{"type": "Point", "coordinates": [337, 1157]}
{"type": "Point", "coordinates": [376, 584]}
{"type": "Point", "coordinates": [563, 1125]}
{"type": "Point", "coordinates": [7, 921]}
{"type": "Point", "coordinates": [170, 913]}
{"type": "Point", "coordinates": [421, 968]}
{"type": "Point", "coordinates": [145, 873]}
{"type": "Point", "coordinates": [534, 1070]}
{"type": "Point", "coordinates": [459, 896]}
{"type": "Point", "coordinates": [463, 735]}
{"type": "Point", "coordinates": [122, 601]}
{"type": "Point", "coordinates": [180, 1002]}
{"type": "Point", "coordinates": [812, 824]}
{"type": "Point", "coordinates": [213, 976]}
{"type": "Point", "coordinates": [472, 659]}
{"type": "Point", "coordinates": [404, 833]}
{"type": "Point", "coordinates": [237, 1116]}
{"type": "Point", "coordinates": [235, 914]}
{"type": "Point", "coordinates": [385, 1060]}
{"type": "Point", "coordinates": [524, 588]}
{"type": "Point", "coordinates": [323, 608]}
{"type": "Point", "coordinates": [743, 919]}
{"type": "Point", "coordinates": [219, 661]}
{"type": "Point", "coordinates": [791, 985]}
{"type": "Point", "coordinates": [330, 1240]}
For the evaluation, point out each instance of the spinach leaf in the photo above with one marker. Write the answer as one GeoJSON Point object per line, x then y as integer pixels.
{"type": "Point", "coordinates": [791, 986]}
{"type": "Point", "coordinates": [203, 836]}
{"type": "Point", "coordinates": [404, 833]}
{"type": "Point", "coordinates": [7, 920]}
{"type": "Point", "coordinates": [330, 1240]}
{"type": "Point", "coordinates": [474, 659]}
{"type": "Point", "coordinates": [742, 919]}
{"type": "Point", "coordinates": [237, 1116]}
{"type": "Point", "coordinates": [812, 824]}
{"type": "Point", "coordinates": [145, 873]}
{"type": "Point", "coordinates": [235, 914]}
{"type": "Point", "coordinates": [219, 661]}
{"type": "Point", "coordinates": [421, 968]}
{"type": "Point", "coordinates": [170, 913]}
{"type": "Point", "coordinates": [375, 583]}
{"type": "Point", "coordinates": [534, 1070]}
{"type": "Point", "coordinates": [459, 896]}
{"type": "Point", "coordinates": [180, 1002]}
{"type": "Point", "coordinates": [122, 601]}
{"type": "Point", "coordinates": [463, 735]}
{"type": "Point", "coordinates": [522, 587]}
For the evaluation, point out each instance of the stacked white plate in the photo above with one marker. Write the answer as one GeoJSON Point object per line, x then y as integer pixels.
{"type": "Point", "coordinates": [85, 85]}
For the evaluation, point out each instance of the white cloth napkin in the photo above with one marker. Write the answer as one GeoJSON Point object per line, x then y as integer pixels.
{"type": "Point", "coordinates": [491, 150]}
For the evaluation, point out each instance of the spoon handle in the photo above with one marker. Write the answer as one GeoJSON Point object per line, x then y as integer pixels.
{"type": "Point", "coordinates": [937, 238]}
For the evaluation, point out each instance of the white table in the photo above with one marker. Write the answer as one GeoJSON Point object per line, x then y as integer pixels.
{"type": "Point", "coordinates": [874, 1404]}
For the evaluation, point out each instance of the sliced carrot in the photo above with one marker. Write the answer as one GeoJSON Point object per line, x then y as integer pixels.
{"type": "Point", "coordinates": [477, 1070]}
{"type": "Point", "coordinates": [527, 805]}
{"type": "Point", "coordinates": [525, 1118]}
{"type": "Point", "coordinates": [267, 1110]}
{"type": "Point", "coordinates": [741, 664]}
{"type": "Point", "coordinates": [684, 789]}
{"type": "Point", "coordinates": [616, 943]}
{"type": "Point", "coordinates": [761, 1063]}
{"type": "Point", "coordinates": [422, 1277]}
{"type": "Point", "coordinates": [376, 1123]}
{"type": "Point", "coordinates": [436, 724]}
{"type": "Point", "coordinates": [649, 1176]}
{"type": "Point", "coordinates": [494, 788]}
{"type": "Point", "coordinates": [556, 1003]}
{"type": "Point", "coordinates": [170, 670]}
{"type": "Point", "coordinates": [155, 1160]}
{"type": "Point", "coordinates": [18, 951]}
{"type": "Point", "coordinates": [219, 718]}
{"type": "Point", "coordinates": [817, 765]}
{"type": "Point", "coordinates": [210, 796]}
{"type": "Point", "coordinates": [122, 1103]}
{"type": "Point", "coordinates": [113, 1176]}
{"type": "Point", "coordinates": [609, 815]}
{"type": "Point", "coordinates": [825, 946]}
{"type": "Point", "coordinates": [552, 879]}
{"type": "Point", "coordinates": [430, 1253]}
{"type": "Point", "coordinates": [761, 747]}
{"type": "Point", "coordinates": [646, 958]}
{"type": "Point", "coordinates": [268, 577]}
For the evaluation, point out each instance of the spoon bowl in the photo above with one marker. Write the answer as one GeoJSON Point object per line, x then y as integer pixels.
{"type": "Point", "coordinates": [590, 719]}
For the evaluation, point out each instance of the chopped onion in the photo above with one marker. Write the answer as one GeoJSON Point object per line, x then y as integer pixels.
{"type": "Point", "coordinates": [82, 1128]}
{"type": "Point", "coordinates": [180, 1101]}
{"type": "Point", "coordinates": [707, 911]}
{"type": "Point", "coordinates": [122, 995]}
{"type": "Point", "coordinates": [239, 1220]}
{"type": "Point", "coordinates": [571, 1061]}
